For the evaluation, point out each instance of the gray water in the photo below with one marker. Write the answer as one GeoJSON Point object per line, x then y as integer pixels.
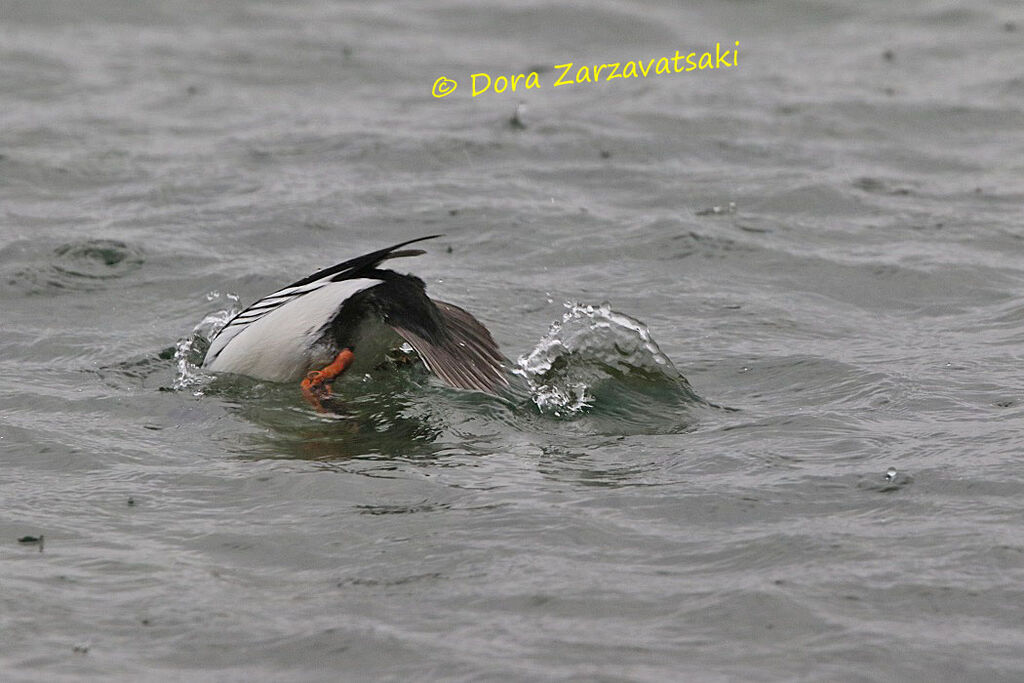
{"type": "Point", "coordinates": [788, 448]}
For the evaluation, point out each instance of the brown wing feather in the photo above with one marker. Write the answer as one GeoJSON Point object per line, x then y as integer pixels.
{"type": "Point", "coordinates": [468, 358]}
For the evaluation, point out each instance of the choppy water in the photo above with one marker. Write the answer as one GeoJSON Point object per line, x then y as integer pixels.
{"type": "Point", "coordinates": [789, 448]}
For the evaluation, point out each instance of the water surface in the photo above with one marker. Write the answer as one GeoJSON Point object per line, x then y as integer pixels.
{"type": "Point", "coordinates": [787, 449]}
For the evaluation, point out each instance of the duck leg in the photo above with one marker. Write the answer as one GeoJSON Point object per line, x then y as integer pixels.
{"type": "Point", "coordinates": [316, 387]}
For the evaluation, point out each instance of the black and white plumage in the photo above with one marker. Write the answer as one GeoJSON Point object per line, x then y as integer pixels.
{"type": "Point", "coordinates": [358, 306]}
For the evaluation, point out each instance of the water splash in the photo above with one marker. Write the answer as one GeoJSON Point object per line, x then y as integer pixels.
{"type": "Point", "coordinates": [596, 360]}
{"type": "Point", "coordinates": [189, 352]}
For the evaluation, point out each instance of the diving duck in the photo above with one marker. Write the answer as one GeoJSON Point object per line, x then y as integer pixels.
{"type": "Point", "coordinates": [346, 318]}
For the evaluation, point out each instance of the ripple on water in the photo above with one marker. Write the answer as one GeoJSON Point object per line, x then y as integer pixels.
{"type": "Point", "coordinates": [97, 259]}
{"type": "Point", "coordinates": [83, 265]}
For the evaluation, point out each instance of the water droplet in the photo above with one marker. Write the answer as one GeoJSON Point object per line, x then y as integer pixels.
{"type": "Point", "coordinates": [517, 121]}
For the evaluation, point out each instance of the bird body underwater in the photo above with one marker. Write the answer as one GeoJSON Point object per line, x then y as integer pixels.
{"type": "Point", "coordinates": [345, 318]}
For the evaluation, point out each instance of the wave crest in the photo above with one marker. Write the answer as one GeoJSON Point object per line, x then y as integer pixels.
{"type": "Point", "coordinates": [596, 360]}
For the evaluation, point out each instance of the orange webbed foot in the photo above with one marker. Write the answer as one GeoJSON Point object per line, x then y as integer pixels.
{"type": "Point", "coordinates": [316, 386]}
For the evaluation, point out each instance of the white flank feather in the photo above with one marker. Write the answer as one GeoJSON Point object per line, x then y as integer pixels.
{"type": "Point", "coordinates": [278, 344]}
